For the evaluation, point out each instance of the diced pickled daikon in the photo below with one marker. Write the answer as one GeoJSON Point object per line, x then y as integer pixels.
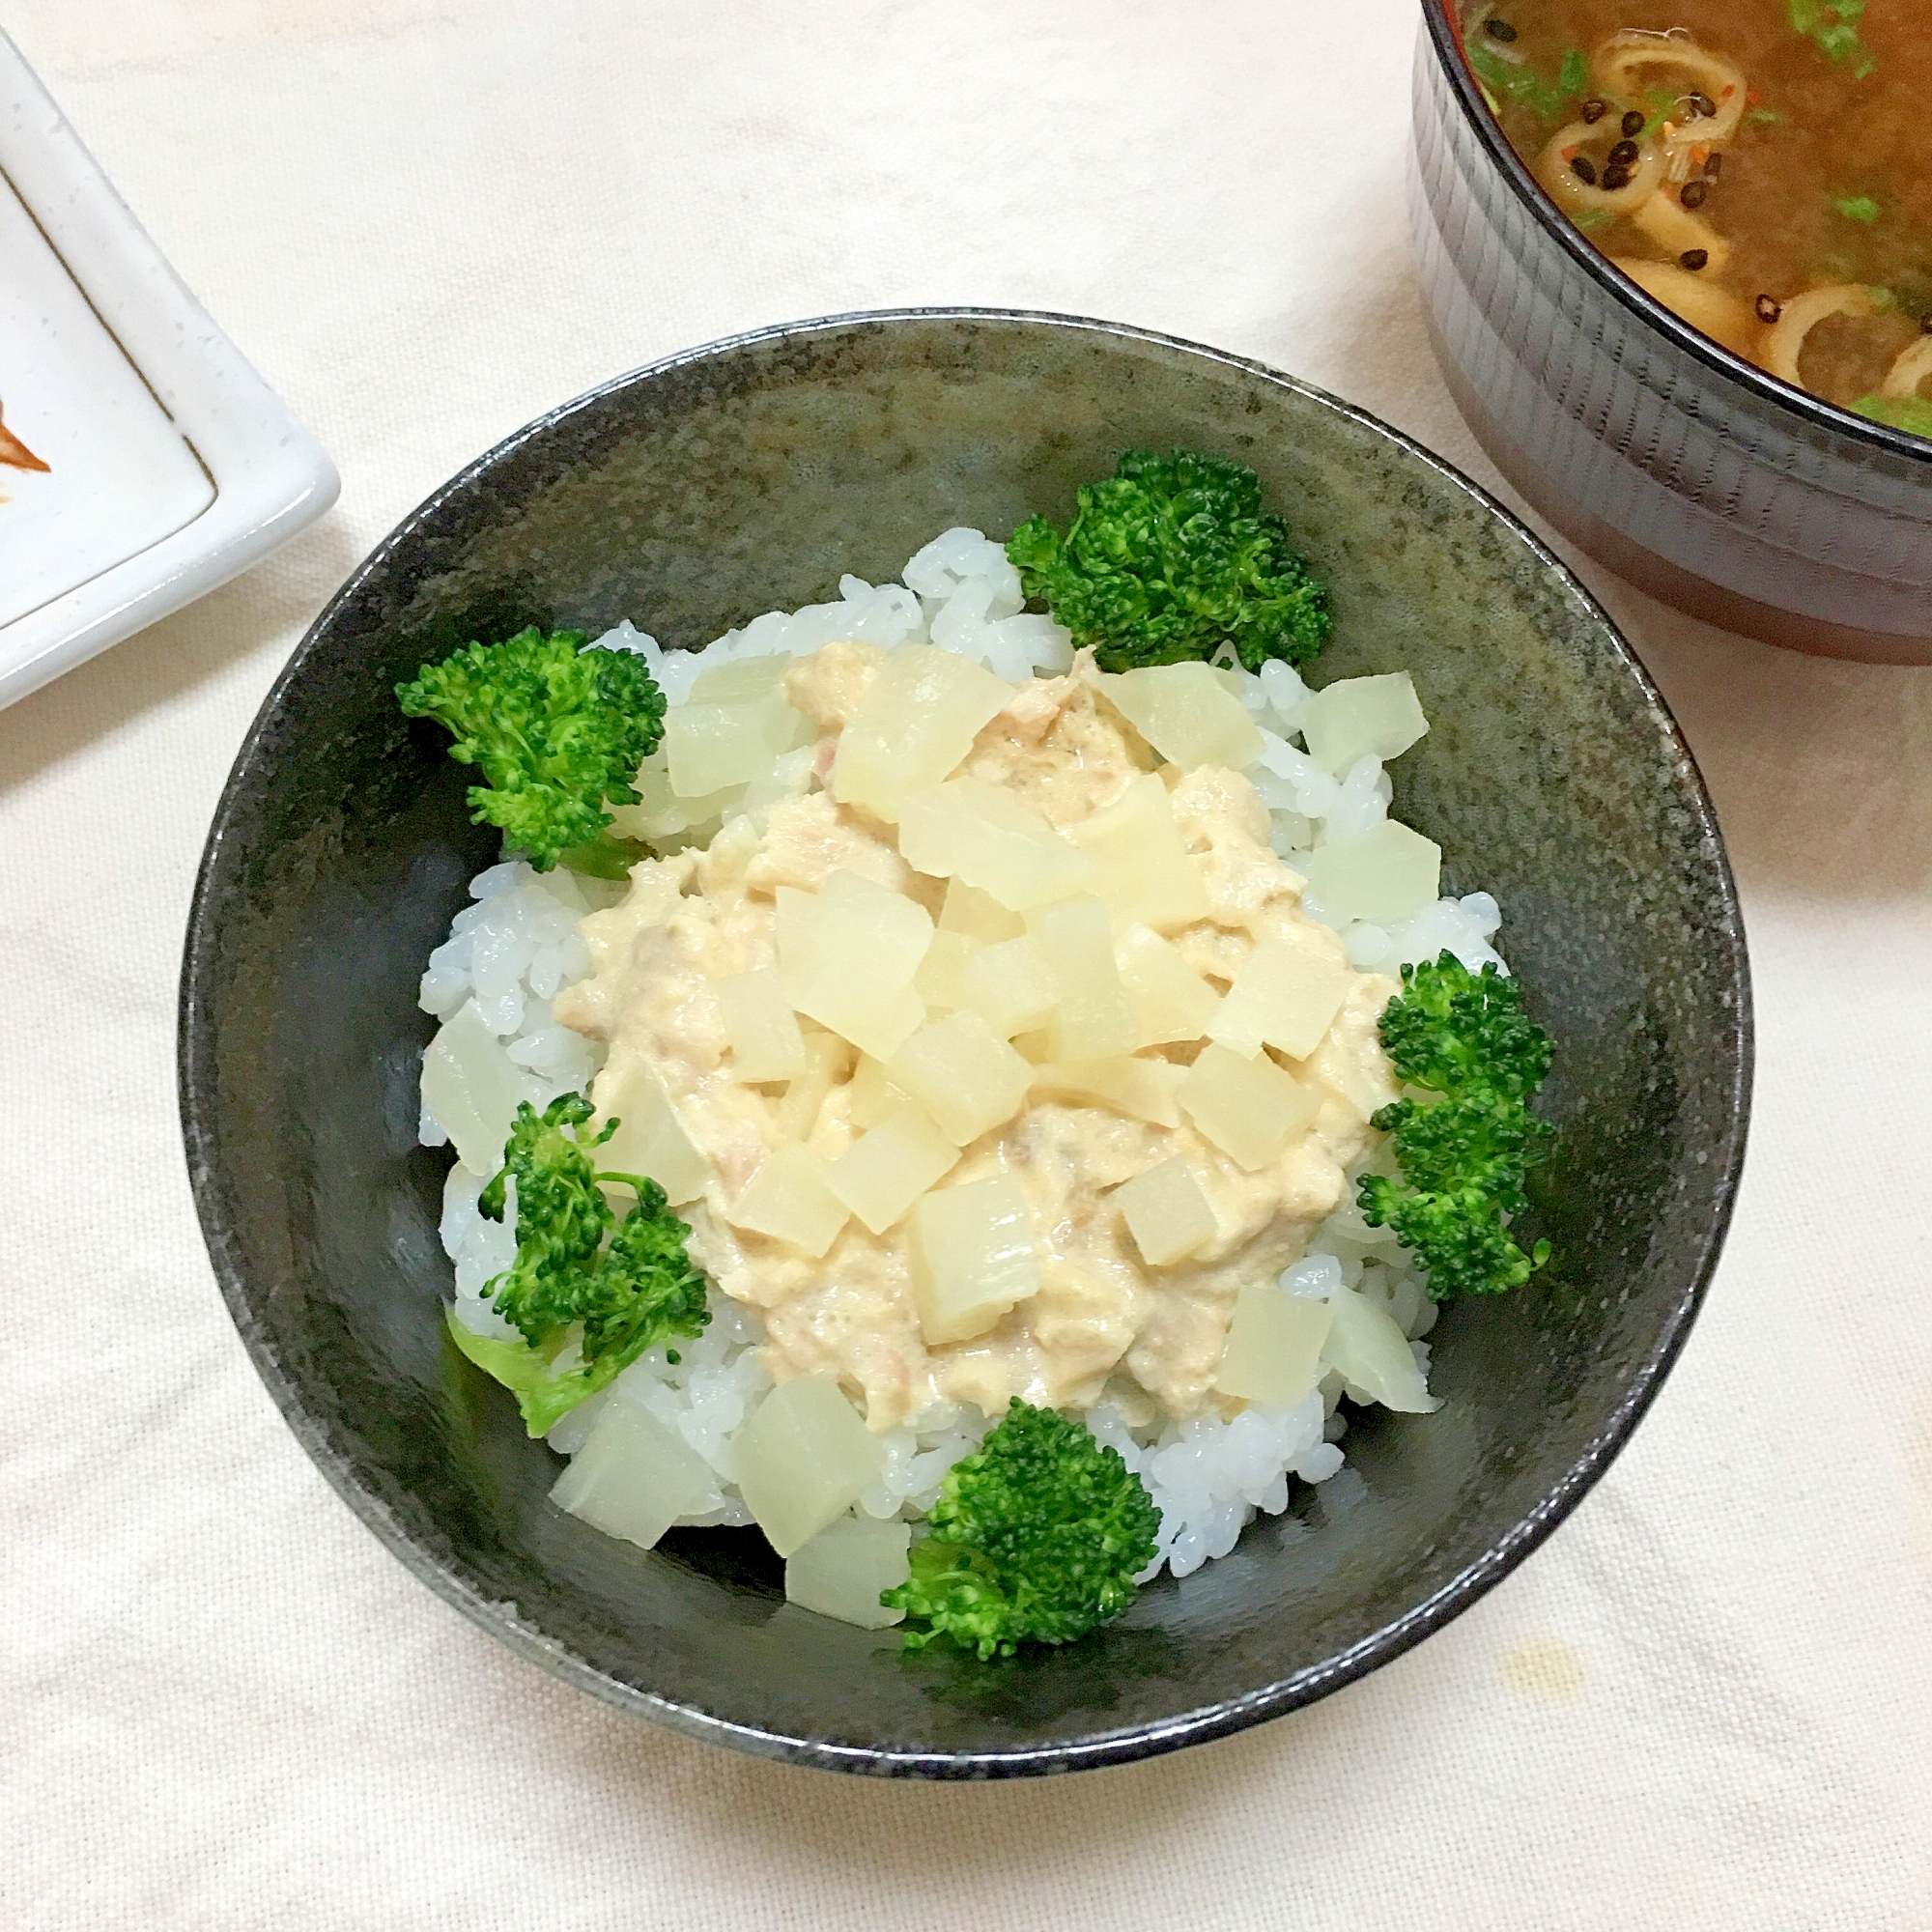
{"type": "Point", "coordinates": [1250, 1109]}
{"type": "Point", "coordinates": [1142, 866]}
{"type": "Point", "coordinates": [766, 1043]}
{"type": "Point", "coordinates": [1362, 718]}
{"type": "Point", "coordinates": [649, 1139]}
{"type": "Point", "coordinates": [1387, 874]}
{"type": "Point", "coordinates": [887, 1169]}
{"type": "Point", "coordinates": [788, 1199]}
{"type": "Point", "coordinates": [1166, 1212]}
{"type": "Point", "coordinates": [660, 814]}
{"type": "Point", "coordinates": [1283, 996]}
{"type": "Point", "coordinates": [967, 829]}
{"type": "Point", "coordinates": [655, 798]}
{"type": "Point", "coordinates": [977, 915]}
{"type": "Point", "coordinates": [709, 747]}
{"type": "Point", "coordinates": [1011, 984]}
{"type": "Point", "coordinates": [848, 1567]}
{"type": "Point", "coordinates": [474, 1088]}
{"type": "Point", "coordinates": [973, 1257]}
{"type": "Point", "coordinates": [740, 680]}
{"type": "Point", "coordinates": [871, 1095]}
{"type": "Point", "coordinates": [1144, 1089]}
{"type": "Point", "coordinates": [1170, 998]}
{"type": "Point", "coordinates": [1366, 1347]}
{"type": "Point", "coordinates": [848, 955]}
{"type": "Point", "coordinates": [803, 1458]}
{"type": "Point", "coordinates": [938, 979]}
{"type": "Point", "coordinates": [917, 720]}
{"type": "Point", "coordinates": [1093, 1018]}
{"type": "Point", "coordinates": [1186, 714]}
{"type": "Point", "coordinates": [633, 1477]}
{"type": "Point", "coordinates": [826, 1056]}
{"type": "Point", "coordinates": [963, 1075]}
{"type": "Point", "coordinates": [1273, 1355]}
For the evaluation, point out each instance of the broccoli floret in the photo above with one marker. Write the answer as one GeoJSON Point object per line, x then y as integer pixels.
{"type": "Point", "coordinates": [1462, 1158]}
{"type": "Point", "coordinates": [562, 1215]}
{"type": "Point", "coordinates": [1036, 1538]}
{"type": "Point", "coordinates": [1168, 559]}
{"type": "Point", "coordinates": [644, 1289]}
{"type": "Point", "coordinates": [558, 733]}
{"type": "Point", "coordinates": [630, 1291]}
{"type": "Point", "coordinates": [1454, 1030]}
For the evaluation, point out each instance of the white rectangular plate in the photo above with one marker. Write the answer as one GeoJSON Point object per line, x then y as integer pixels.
{"type": "Point", "coordinates": [170, 465]}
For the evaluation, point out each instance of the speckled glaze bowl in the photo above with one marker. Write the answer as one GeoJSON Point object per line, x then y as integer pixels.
{"type": "Point", "coordinates": [749, 474]}
{"type": "Point", "coordinates": [1683, 467]}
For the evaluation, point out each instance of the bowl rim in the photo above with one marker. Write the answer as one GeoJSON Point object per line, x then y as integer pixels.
{"type": "Point", "coordinates": [1445, 36]}
{"type": "Point", "coordinates": [1124, 1743]}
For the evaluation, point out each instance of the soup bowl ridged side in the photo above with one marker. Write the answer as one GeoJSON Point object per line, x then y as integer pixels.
{"type": "Point", "coordinates": [691, 495]}
{"type": "Point", "coordinates": [1683, 467]}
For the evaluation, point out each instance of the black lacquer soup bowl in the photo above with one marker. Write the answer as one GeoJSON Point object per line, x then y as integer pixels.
{"type": "Point", "coordinates": [1684, 468]}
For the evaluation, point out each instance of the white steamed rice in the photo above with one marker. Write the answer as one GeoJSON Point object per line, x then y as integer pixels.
{"type": "Point", "coordinates": [518, 946]}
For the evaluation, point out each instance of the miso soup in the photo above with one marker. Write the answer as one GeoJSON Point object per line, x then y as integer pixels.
{"type": "Point", "coordinates": [1762, 167]}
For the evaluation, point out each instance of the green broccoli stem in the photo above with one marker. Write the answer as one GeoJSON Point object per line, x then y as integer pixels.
{"type": "Point", "coordinates": [636, 1182]}
{"type": "Point", "coordinates": [544, 1396]}
{"type": "Point", "coordinates": [605, 856]}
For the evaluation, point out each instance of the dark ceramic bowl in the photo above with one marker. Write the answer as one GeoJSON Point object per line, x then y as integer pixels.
{"type": "Point", "coordinates": [1682, 467]}
{"type": "Point", "coordinates": [750, 474]}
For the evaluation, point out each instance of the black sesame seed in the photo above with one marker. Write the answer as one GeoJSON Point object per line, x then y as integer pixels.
{"type": "Point", "coordinates": [1615, 178]}
{"type": "Point", "coordinates": [1714, 167]}
{"type": "Point", "coordinates": [1702, 105]}
{"type": "Point", "coordinates": [1623, 154]}
{"type": "Point", "coordinates": [1695, 193]}
{"type": "Point", "coordinates": [1499, 30]}
{"type": "Point", "coordinates": [1584, 169]}
{"type": "Point", "coordinates": [1768, 310]}
{"type": "Point", "coordinates": [1694, 258]}
{"type": "Point", "coordinates": [1594, 111]}
{"type": "Point", "coordinates": [1633, 122]}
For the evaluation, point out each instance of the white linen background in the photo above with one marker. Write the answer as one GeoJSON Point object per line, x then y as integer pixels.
{"type": "Point", "coordinates": [1708, 1701]}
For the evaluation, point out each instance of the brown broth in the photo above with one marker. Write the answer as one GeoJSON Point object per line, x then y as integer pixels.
{"type": "Point", "coordinates": [1820, 143]}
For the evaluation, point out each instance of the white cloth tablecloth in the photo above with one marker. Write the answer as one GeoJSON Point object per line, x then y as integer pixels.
{"type": "Point", "coordinates": [1707, 1703]}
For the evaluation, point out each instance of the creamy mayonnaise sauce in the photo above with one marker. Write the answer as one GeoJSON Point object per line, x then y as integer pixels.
{"type": "Point", "coordinates": [1102, 1319]}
